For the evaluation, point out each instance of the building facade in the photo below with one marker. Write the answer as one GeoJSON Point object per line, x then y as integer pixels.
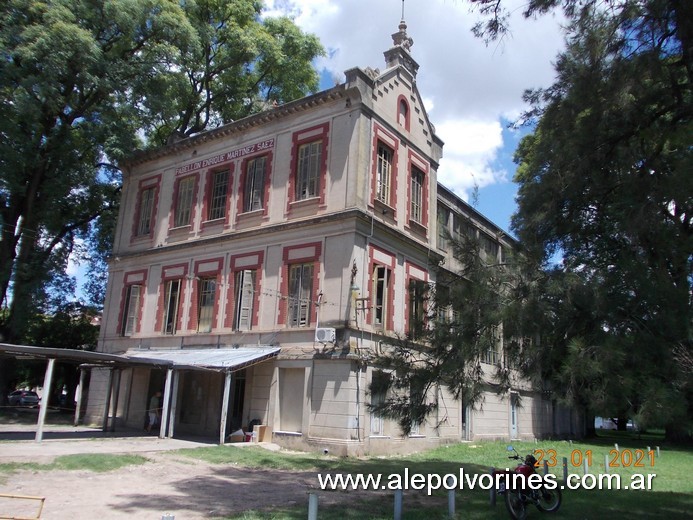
{"type": "Point", "coordinates": [291, 236]}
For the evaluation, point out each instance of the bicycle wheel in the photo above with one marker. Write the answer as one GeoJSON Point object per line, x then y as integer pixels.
{"type": "Point", "coordinates": [549, 500]}
{"type": "Point", "coordinates": [515, 505]}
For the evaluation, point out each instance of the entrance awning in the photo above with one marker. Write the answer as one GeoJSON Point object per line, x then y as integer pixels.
{"type": "Point", "coordinates": [217, 359]}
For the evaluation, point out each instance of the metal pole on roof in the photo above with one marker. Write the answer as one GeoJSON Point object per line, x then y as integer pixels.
{"type": "Point", "coordinates": [48, 378]}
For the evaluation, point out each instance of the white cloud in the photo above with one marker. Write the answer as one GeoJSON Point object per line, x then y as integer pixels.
{"type": "Point", "coordinates": [470, 147]}
{"type": "Point", "coordinates": [467, 87]}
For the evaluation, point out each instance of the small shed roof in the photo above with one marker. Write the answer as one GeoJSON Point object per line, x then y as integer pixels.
{"type": "Point", "coordinates": [220, 359]}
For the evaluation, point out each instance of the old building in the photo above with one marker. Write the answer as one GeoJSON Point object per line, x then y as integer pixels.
{"type": "Point", "coordinates": [256, 265]}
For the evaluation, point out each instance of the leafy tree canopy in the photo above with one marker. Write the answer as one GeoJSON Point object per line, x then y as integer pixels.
{"type": "Point", "coordinates": [83, 83]}
{"type": "Point", "coordinates": [605, 180]}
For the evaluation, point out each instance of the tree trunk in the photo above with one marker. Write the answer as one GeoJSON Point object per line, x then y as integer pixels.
{"type": "Point", "coordinates": [677, 434]}
{"type": "Point", "coordinates": [590, 430]}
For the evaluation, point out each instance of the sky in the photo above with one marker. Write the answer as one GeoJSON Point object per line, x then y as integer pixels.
{"type": "Point", "coordinates": [471, 91]}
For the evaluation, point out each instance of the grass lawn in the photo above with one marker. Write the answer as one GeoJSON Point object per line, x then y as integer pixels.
{"type": "Point", "coordinates": [671, 496]}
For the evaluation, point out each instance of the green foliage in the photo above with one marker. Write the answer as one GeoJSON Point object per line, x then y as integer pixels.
{"type": "Point", "coordinates": [605, 181]}
{"type": "Point", "coordinates": [463, 326]}
{"type": "Point", "coordinates": [81, 83]}
{"type": "Point", "coordinates": [96, 462]}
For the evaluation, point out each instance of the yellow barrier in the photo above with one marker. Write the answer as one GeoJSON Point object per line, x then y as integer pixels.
{"type": "Point", "coordinates": [22, 505]}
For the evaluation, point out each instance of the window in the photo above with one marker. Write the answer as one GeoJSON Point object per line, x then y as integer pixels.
{"type": "Point", "coordinates": [492, 354]}
{"type": "Point", "coordinates": [244, 299]}
{"type": "Point", "coordinates": [383, 181]}
{"type": "Point", "coordinates": [254, 184]}
{"type": "Point", "coordinates": [183, 202]}
{"type": "Point", "coordinates": [442, 225]}
{"type": "Point", "coordinates": [308, 170]}
{"type": "Point", "coordinates": [378, 389]}
{"type": "Point", "coordinates": [218, 190]}
{"type": "Point", "coordinates": [300, 294]}
{"type": "Point", "coordinates": [132, 309]}
{"type": "Point", "coordinates": [416, 209]}
{"type": "Point", "coordinates": [417, 296]}
{"type": "Point", "coordinates": [207, 290]}
{"type": "Point", "coordinates": [171, 299]}
{"type": "Point", "coordinates": [489, 247]}
{"type": "Point", "coordinates": [403, 114]}
{"type": "Point", "coordinates": [146, 212]}
{"type": "Point", "coordinates": [381, 279]}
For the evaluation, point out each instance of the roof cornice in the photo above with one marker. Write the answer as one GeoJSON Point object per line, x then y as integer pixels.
{"type": "Point", "coordinates": [242, 125]}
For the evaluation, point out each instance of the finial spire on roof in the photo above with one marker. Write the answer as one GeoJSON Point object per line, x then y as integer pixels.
{"type": "Point", "coordinates": [400, 38]}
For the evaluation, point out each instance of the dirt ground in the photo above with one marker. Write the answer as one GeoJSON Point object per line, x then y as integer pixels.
{"type": "Point", "coordinates": [183, 488]}
{"type": "Point", "coordinates": [167, 484]}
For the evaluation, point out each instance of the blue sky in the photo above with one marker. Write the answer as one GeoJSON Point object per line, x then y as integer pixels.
{"type": "Point", "coordinates": [471, 91]}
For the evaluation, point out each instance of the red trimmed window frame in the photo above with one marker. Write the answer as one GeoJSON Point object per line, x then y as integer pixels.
{"type": "Point", "coordinates": [234, 268]}
{"type": "Point", "coordinates": [193, 204]}
{"type": "Point", "coordinates": [153, 182]}
{"type": "Point", "coordinates": [123, 299]}
{"type": "Point", "coordinates": [407, 115]}
{"type": "Point", "coordinates": [411, 270]}
{"type": "Point", "coordinates": [287, 262]}
{"type": "Point", "coordinates": [207, 198]}
{"type": "Point", "coordinates": [240, 211]}
{"type": "Point", "coordinates": [387, 139]}
{"type": "Point", "coordinates": [215, 273]}
{"type": "Point", "coordinates": [160, 306]}
{"type": "Point", "coordinates": [414, 161]}
{"type": "Point", "coordinates": [299, 138]}
{"type": "Point", "coordinates": [374, 262]}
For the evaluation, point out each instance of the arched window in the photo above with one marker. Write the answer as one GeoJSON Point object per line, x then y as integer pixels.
{"type": "Point", "coordinates": [403, 113]}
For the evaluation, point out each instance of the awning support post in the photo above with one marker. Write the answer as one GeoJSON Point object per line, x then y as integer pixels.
{"type": "Point", "coordinates": [48, 378]}
{"type": "Point", "coordinates": [116, 397]}
{"type": "Point", "coordinates": [174, 403]}
{"type": "Point", "coordinates": [225, 407]}
{"type": "Point", "coordinates": [167, 402]}
{"type": "Point", "coordinates": [107, 404]}
{"type": "Point", "coordinates": [78, 408]}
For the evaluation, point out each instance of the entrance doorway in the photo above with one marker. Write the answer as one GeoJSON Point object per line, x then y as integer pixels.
{"type": "Point", "coordinates": [514, 400]}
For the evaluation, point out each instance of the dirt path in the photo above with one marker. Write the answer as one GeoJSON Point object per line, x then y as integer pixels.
{"type": "Point", "coordinates": [187, 489]}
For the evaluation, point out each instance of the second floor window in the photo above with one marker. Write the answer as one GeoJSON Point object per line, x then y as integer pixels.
{"type": "Point", "coordinates": [219, 189]}
{"type": "Point", "coordinates": [254, 184]}
{"type": "Point", "coordinates": [308, 170]}
{"type": "Point", "coordinates": [131, 310]}
{"type": "Point", "coordinates": [205, 304]}
{"type": "Point", "coordinates": [383, 181]}
{"type": "Point", "coordinates": [381, 279]}
{"type": "Point", "coordinates": [300, 294]}
{"type": "Point", "coordinates": [184, 201]}
{"type": "Point", "coordinates": [416, 210]}
{"type": "Point", "coordinates": [442, 227]}
{"type": "Point", "coordinates": [417, 317]}
{"type": "Point", "coordinates": [171, 300]}
{"type": "Point", "coordinates": [146, 210]}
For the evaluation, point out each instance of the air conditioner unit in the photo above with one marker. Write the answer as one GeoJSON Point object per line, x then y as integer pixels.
{"type": "Point", "coordinates": [325, 335]}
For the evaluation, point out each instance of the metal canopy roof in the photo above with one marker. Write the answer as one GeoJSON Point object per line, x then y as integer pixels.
{"type": "Point", "coordinates": [62, 354]}
{"type": "Point", "coordinates": [218, 359]}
